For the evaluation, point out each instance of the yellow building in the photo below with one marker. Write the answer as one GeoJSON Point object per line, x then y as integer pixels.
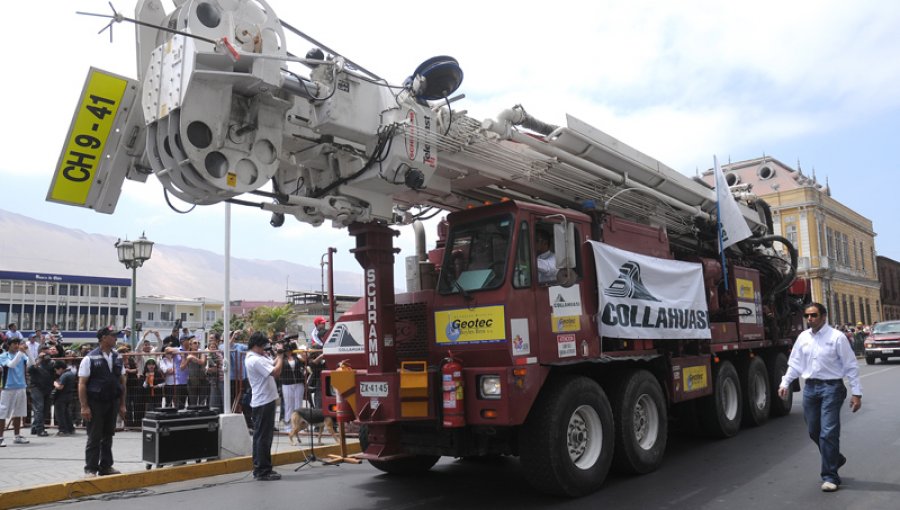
{"type": "Point", "coordinates": [836, 245]}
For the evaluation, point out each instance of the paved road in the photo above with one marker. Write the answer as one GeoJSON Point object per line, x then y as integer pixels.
{"type": "Point", "coordinates": [774, 466]}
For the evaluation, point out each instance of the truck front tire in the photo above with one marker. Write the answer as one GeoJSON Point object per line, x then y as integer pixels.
{"type": "Point", "coordinates": [566, 443]}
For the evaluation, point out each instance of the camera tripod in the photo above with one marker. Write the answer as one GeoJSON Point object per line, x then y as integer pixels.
{"type": "Point", "coordinates": [312, 452]}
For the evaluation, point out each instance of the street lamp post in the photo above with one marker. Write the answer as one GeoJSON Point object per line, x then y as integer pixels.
{"type": "Point", "coordinates": [133, 254]}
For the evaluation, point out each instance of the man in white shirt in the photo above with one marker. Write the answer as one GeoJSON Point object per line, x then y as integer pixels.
{"type": "Point", "coordinates": [13, 332]}
{"type": "Point", "coordinates": [823, 356]}
{"type": "Point", "coordinates": [546, 259]}
{"type": "Point", "coordinates": [262, 373]}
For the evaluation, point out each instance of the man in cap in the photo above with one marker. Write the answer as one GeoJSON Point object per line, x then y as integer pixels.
{"type": "Point", "coordinates": [126, 335]}
{"type": "Point", "coordinates": [13, 401]}
{"type": "Point", "coordinates": [101, 392]}
{"type": "Point", "coordinates": [320, 330]}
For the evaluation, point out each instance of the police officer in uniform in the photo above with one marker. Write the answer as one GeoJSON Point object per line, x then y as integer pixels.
{"type": "Point", "coordinates": [101, 391]}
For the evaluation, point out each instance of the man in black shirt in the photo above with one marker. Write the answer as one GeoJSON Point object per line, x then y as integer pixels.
{"type": "Point", "coordinates": [65, 387]}
{"type": "Point", "coordinates": [42, 376]}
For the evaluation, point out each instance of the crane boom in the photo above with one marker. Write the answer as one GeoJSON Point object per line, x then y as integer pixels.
{"type": "Point", "coordinates": [217, 113]}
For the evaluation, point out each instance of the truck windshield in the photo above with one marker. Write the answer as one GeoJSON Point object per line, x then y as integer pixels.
{"type": "Point", "coordinates": [476, 256]}
{"type": "Point", "coordinates": [884, 328]}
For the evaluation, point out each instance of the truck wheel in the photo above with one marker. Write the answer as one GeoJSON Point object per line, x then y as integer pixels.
{"type": "Point", "coordinates": [641, 423]}
{"type": "Point", "coordinates": [721, 411]}
{"type": "Point", "coordinates": [403, 466]}
{"type": "Point", "coordinates": [777, 367]}
{"type": "Point", "coordinates": [870, 360]}
{"type": "Point", "coordinates": [566, 444]}
{"type": "Point", "coordinates": [757, 397]}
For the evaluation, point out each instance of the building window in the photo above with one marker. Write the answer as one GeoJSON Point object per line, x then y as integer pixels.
{"type": "Point", "coordinates": [868, 312]}
{"type": "Point", "coordinates": [184, 317]}
{"type": "Point", "coordinates": [845, 249]}
{"type": "Point", "coordinates": [835, 309]}
{"type": "Point", "coordinates": [137, 314]}
{"type": "Point", "coordinates": [862, 256]}
{"type": "Point", "coordinates": [149, 316]}
{"type": "Point", "coordinates": [844, 315]}
{"type": "Point", "coordinates": [852, 312]}
{"type": "Point", "coordinates": [791, 233]}
{"type": "Point", "coordinates": [210, 316]}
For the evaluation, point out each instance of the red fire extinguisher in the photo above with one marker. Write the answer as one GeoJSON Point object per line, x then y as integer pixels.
{"type": "Point", "coordinates": [452, 385]}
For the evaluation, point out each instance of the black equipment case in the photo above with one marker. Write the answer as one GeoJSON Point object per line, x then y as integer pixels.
{"type": "Point", "coordinates": [173, 436]}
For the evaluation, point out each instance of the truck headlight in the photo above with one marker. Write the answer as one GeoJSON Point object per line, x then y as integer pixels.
{"type": "Point", "coordinates": [489, 386]}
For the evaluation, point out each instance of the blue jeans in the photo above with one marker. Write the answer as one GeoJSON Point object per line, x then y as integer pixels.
{"type": "Point", "coordinates": [822, 401]}
{"type": "Point", "coordinates": [263, 430]}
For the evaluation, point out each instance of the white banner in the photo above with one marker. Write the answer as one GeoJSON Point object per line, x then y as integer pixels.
{"type": "Point", "coordinates": [644, 297]}
{"type": "Point", "coordinates": [732, 225]}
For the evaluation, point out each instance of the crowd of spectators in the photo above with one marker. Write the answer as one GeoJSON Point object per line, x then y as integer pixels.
{"type": "Point", "coordinates": [172, 371]}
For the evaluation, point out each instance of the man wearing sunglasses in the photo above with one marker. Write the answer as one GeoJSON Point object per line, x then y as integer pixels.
{"type": "Point", "coordinates": [823, 357]}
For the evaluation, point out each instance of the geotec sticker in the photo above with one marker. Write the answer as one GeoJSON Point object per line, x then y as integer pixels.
{"type": "Point", "coordinates": [482, 324]}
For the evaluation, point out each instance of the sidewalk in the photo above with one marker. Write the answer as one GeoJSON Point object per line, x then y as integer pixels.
{"type": "Point", "coordinates": [60, 460]}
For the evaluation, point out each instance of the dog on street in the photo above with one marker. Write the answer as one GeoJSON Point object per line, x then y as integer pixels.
{"type": "Point", "coordinates": [305, 417]}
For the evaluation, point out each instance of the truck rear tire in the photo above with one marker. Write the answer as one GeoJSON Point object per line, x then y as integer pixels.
{"type": "Point", "coordinates": [403, 466]}
{"type": "Point", "coordinates": [566, 443]}
{"type": "Point", "coordinates": [721, 411]}
{"type": "Point", "coordinates": [777, 368]}
{"type": "Point", "coordinates": [641, 422]}
{"type": "Point", "coordinates": [757, 397]}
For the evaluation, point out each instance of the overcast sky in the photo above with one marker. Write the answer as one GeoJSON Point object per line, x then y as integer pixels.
{"type": "Point", "coordinates": [816, 82]}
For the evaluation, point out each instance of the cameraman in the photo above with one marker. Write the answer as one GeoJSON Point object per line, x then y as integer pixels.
{"type": "Point", "coordinates": [42, 375]}
{"type": "Point", "coordinates": [262, 372]}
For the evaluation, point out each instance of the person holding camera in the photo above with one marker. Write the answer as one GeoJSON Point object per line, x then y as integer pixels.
{"type": "Point", "coordinates": [262, 372]}
{"type": "Point", "coordinates": [13, 399]}
{"type": "Point", "coordinates": [214, 375]}
{"type": "Point", "coordinates": [41, 374]}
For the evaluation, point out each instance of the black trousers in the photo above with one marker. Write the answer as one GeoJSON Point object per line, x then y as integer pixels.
{"type": "Point", "coordinates": [263, 430]}
{"type": "Point", "coordinates": [101, 429]}
{"type": "Point", "coordinates": [63, 418]}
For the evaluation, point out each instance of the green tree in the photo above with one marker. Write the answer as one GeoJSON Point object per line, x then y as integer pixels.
{"type": "Point", "coordinates": [271, 319]}
{"type": "Point", "coordinates": [236, 323]}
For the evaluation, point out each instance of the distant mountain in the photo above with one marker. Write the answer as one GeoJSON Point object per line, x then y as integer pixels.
{"type": "Point", "coordinates": [172, 270]}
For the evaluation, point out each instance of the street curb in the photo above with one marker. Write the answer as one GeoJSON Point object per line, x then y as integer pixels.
{"type": "Point", "coordinates": [42, 494]}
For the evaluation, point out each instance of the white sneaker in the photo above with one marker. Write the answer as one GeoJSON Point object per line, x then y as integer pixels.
{"type": "Point", "coordinates": [829, 487]}
{"type": "Point", "coordinates": [20, 440]}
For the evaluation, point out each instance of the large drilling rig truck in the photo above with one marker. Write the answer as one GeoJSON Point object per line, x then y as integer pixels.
{"type": "Point", "coordinates": [575, 300]}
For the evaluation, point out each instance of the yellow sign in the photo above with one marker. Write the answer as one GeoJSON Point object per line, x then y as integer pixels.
{"type": "Point", "coordinates": [83, 152]}
{"type": "Point", "coordinates": [694, 378]}
{"type": "Point", "coordinates": [564, 324]}
{"type": "Point", "coordinates": [483, 324]}
{"type": "Point", "coordinates": [744, 288]}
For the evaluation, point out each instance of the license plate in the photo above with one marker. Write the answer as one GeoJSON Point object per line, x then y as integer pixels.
{"type": "Point", "coordinates": [373, 389]}
{"type": "Point", "coordinates": [887, 351]}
